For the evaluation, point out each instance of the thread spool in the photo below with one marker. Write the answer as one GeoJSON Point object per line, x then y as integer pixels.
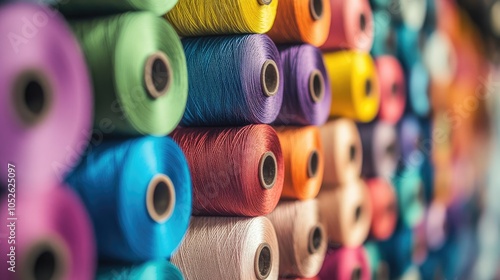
{"type": "Point", "coordinates": [346, 213]}
{"type": "Point", "coordinates": [246, 75]}
{"type": "Point", "coordinates": [411, 13]}
{"type": "Point", "coordinates": [410, 136]}
{"type": "Point", "coordinates": [342, 151]}
{"type": "Point", "coordinates": [78, 8]}
{"type": "Point", "coordinates": [156, 269]}
{"type": "Point", "coordinates": [418, 90]}
{"type": "Point", "coordinates": [305, 21]}
{"type": "Point", "coordinates": [410, 195]}
{"type": "Point", "coordinates": [41, 90]}
{"type": "Point", "coordinates": [392, 89]}
{"type": "Point", "coordinates": [385, 37]}
{"type": "Point", "coordinates": [435, 224]}
{"type": "Point", "coordinates": [409, 45]}
{"type": "Point", "coordinates": [304, 161]}
{"type": "Point", "coordinates": [201, 18]}
{"type": "Point", "coordinates": [494, 18]}
{"type": "Point", "coordinates": [302, 239]}
{"type": "Point", "coordinates": [351, 27]}
{"type": "Point", "coordinates": [249, 184]}
{"type": "Point", "coordinates": [253, 253]}
{"type": "Point", "coordinates": [149, 175]}
{"type": "Point", "coordinates": [139, 72]}
{"type": "Point", "coordinates": [379, 269]}
{"type": "Point", "coordinates": [380, 3]}
{"type": "Point", "coordinates": [384, 208]}
{"type": "Point", "coordinates": [307, 87]}
{"type": "Point", "coordinates": [58, 244]}
{"type": "Point", "coordinates": [397, 251]}
{"type": "Point", "coordinates": [354, 83]}
{"type": "Point", "coordinates": [381, 150]}
{"type": "Point", "coordinates": [440, 58]}
{"type": "Point", "coordinates": [345, 264]}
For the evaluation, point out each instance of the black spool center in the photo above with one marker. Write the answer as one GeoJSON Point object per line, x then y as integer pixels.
{"type": "Point", "coordinates": [362, 22]}
{"type": "Point", "coordinates": [270, 78]}
{"type": "Point", "coordinates": [315, 239]}
{"type": "Point", "coordinates": [45, 266]}
{"type": "Point", "coordinates": [264, 261]}
{"type": "Point", "coordinates": [316, 8]}
{"type": "Point", "coordinates": [32, 96]}
{"type": "Point", "coordinates": [357, 214]}
{"type": "Point", "coordinates": [158, 74]}
{"type": "Point", "coordinates": [313, 164]}
{"type": "Point", "coordinates": [268, 170]}
{"type": "Point", "coordinates": [160, 198]}
{"type": "Point", "coordinates": [368, 87]}
{"type": "Point", "coordinates": [356, 274]}
{"type": "Point", "coordinates": [352, 153]}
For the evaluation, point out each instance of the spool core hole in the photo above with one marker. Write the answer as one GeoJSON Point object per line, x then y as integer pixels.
{"type": "Point", "coordinates": [391, 149]}
{"type": "Point", "coordinates": [158, 75]}
{"type": "Point", "coordinates": [160, 198]}
{"type": "Point", "coordinates": [316, 8]}
{"type": "Point", "coordinates": [34, 97]}
{"type": "Point", "coordinates": [264, 2]}
{"type": "Point", "coordinates": [313, 164]}
{"type": "Point", "coordinates": [352, 153]}
{"type": "Point", "coordinates": [45, 266]}
{"type": "Point", "coordinates": [368, 87]}
{"type": "Point", "coordinates": [315, 239]}
{"type": "Point", "coordinates": [268, 171]}
{"type": "Point", "coordinates": [316, 86]}
{"type": "Point", "coordinates": [358, 213]}
{"type": "Point", "coordinates": [264, 261]}
{"type": "Point", "coordinates": [270, 78]}
{"type": "Point", "coordinates": [394, 89]}
{"type": "Point", "coordinates": [356, 274]}
{"type": "Point", "coordinates": [362, 22]}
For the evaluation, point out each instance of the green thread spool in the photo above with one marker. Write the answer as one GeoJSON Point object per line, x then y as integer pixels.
{"type": "Point", "coordinates": [106, 7]}
{"type": "Point", "coordinates": [138, 70]}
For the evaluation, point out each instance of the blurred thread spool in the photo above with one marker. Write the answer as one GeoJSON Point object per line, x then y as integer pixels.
{"type": "Point", "coordinates": [409, 45]}
{"type": "Point", "coordinates": [149, 175]}
{"type": "Point", "coordinates": [418, 90]}
{"type": "Point", "coordinates": [410, 195]}
{"type": "Point", "coordinates": [411, 141]}
{"type": "Point", "coordinates": [392, 89]}
{"type": "Point", "coordinates": [397, 251]}
{"type": "Point", "coordinates": [384, 208]}
{"type": "Point", "coordinates": [440, 58]}
{"type": "Point", "coordinates": [411, 13]}
{"type": "Point", "coordinates": [345, 264]}
{"type": "Point", "coordinates": [493, 17]}
{"type": "Point", "coordinates": [218, 17]}
{"type": "Point", "coordinates": [302, 239]}
{"type": "Point", "coordinates": [379, 4]}
{"type": "Point", "coordinates": [304, 21]}
{"type": "Point", "coordinates": [436, 227]}
{"type": "Point", "coordinates": [346, 213]}
{"type": "Point", "coordinates": [78, 8]}
{"type": "Point", "coordinates": [379, 269]}
{"type": "Point", "coordinates": [385, 37]}
{"type": "Point", "coordinates": [56, 244]}
{"type": "Point", "coordinates": [381, 151]}
{"type": "Point", "coordinates": [351, 27]}
{"type": "Point", "coordinates": [354, 81]}
{"type": "Point", "coordinates": [304, 161]}
{"type": "Point", "coordinates": [238, 248]}
{"type": "Point", "coordinates": [139, 72]}
{"type": "Point", "coordinates": [245, 78]}
{"type": "Point", "coordinates": [413, 273]}
{"type": "Point", "coordinates": [246, 171]}
{"type": "Point", "coordinates": [342, 151]}
{"type": "Point", "coordinates": [154, 270]}
{"type": "Point", "coordinates": [42, 93]}
{"type": "Point", "coordinates": [308, 92]}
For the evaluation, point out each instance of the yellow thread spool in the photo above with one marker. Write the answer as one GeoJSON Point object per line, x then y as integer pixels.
{"type": "Point", "coordinates": [211, 17]}
{"type": "Point", "coordinates": [354, 83]}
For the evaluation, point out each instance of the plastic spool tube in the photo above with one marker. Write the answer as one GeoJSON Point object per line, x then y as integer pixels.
{"type": "Point", "coordinates": [346, 213]}
{"type": "Point", "coordinates": [245, 248]}
{"type": "Point", "coordinates": [354, 83]}
{"type": "Point", "coordinates": [342, 151]}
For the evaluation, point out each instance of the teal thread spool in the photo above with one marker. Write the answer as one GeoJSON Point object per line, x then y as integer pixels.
{"type": "Point", "coordinates": [106, 7]}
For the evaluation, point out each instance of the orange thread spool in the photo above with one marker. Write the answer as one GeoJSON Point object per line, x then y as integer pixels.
{"type": "Point", "coordinates": [304, 161]}
{"type": "Point", "coordinates": [302, 21]}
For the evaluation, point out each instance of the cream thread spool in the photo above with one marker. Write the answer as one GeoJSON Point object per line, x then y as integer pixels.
{"type": "Point", "coordinates": [268, 170]}
{"type": "Point", "coordinates": [47, 259]}
{"type": "Point", "coordinates": [302, 238]}
{"type": "Point", "coordinates": [32, 97]}
{"type": "Point", "coordinates": [270, 78]}
{"type": "Point", "coordinates": [241, 248]}
{"type": "Point", "coordinates": [160, 198]}
{"type": "Point", "coordinates": [158, 74]}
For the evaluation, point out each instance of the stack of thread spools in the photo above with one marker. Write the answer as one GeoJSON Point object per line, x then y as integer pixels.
{"type": "Point", "coordinates": [133, 179]}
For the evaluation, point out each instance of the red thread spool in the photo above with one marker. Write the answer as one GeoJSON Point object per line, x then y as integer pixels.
{"type": "Point", "coordinates": [237, 171]}
{"type": "Point", "coordinates": [345, 264]}
{"type": "Point", "coordinates": [392, 88]}
{"type": "Point", "coordinates": [384, 208]}
{"type": "Point", "coordinates": [352, 26]}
